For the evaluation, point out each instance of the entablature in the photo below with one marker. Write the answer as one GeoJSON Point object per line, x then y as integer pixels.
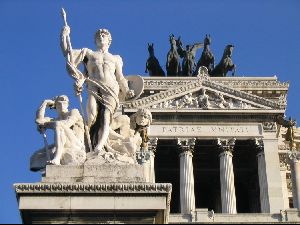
{"type": "Point", "coordinates": [268, 87]}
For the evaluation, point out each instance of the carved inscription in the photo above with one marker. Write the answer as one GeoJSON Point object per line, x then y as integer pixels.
{"type": "Point", "coordinates": [205, 130]}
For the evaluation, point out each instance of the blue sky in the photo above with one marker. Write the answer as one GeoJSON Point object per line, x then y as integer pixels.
{"type": "Point", "coordinates": [266, 35]}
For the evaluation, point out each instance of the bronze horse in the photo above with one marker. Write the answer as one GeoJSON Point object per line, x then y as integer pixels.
{"type": "Point", "coordinates": [173, 60]}
{"type": "Point", "coordinates": [207, 58]}
{"type": "Point", "coordinates": [225, 64]}
{"type": "Point", "coordinates": [152, 64]}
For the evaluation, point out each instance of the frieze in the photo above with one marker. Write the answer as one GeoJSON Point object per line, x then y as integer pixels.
{"type": "Point", "coordinates": [156, 84]}
{"type": "Point", "coordinates": [253, 84]}
{"type": "Point", "coordinates": [203, 100]}
{"type": "Point", "coordinates": [164, 95]}
{"type": "Point", "coordinates": [93, 188]}
{"type": "Point", "coordinates": [244, 95]}
{"type": "Point", "coordinates": [249, 130]}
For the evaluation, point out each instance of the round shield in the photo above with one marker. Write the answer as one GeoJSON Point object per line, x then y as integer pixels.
{"type": "Point", "coordinates": [135, 83]}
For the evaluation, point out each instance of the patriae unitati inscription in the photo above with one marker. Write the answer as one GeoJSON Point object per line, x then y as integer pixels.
{"type": "Point", "coordinates": [249, 130]}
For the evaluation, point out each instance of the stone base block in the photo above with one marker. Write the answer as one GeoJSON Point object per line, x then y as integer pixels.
{"type": "Point", "coordinates": [105, 173]}
{"type": "Point", "coordinates": [54, 203]}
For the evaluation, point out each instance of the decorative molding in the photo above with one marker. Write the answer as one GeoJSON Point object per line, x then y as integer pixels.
{"type": "Point", "coordinates": [241, 83]}
{"type": "Point", "coordinates": [196, 85]}
{"type": "Point", "coordinates": [165, 84]}
{"type": "Point", "coordinates": [269, 126]}
{"type": "Point", "coordinates": [112, 188]}
{"type": "Point", "coordinates": [164, 95]}
{"type": "Point", "coordinates": [254, 84]}
{"type": "Point", "coordinates": [243, 95]}
{"type": "Point", "coordinates": [203, 99]}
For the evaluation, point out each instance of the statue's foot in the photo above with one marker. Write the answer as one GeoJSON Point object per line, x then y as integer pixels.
{"type": "Point", "coordinates": [53, 162]}
{"type": "Point", "coordinates": [99, 148]}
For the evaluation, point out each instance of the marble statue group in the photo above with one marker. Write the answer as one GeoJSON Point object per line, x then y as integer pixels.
{"type": "Point", "coordinates": [107, 135]}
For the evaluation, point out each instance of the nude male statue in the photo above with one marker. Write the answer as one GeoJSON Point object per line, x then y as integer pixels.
{"type": "Point", "coordinates": [68, 134]}
{"type": "Point", "coordinates": [103, 97]}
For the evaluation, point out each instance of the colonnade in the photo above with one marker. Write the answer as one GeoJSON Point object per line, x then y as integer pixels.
{"type": "Point", "coordinates": [228, 194]}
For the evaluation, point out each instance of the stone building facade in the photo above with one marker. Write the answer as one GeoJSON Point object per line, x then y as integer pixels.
{"type": "Point", "coordinates": [218, 142]}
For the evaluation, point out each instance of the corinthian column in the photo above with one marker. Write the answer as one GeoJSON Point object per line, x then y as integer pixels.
{"type": "Point", "coordinates": [262, 176]}
{"type": "Point", "coordinates": [187, 192]}
{"type": "Point", "coordinates": [228, 197]}
{"type": "Point", "coordinates": [295, 173]}
{"type": "Point", "coordinates": [152, 150]}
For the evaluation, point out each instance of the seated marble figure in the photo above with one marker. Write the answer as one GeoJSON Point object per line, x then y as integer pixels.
{"type": "Point", "coordinates": [68, 147]}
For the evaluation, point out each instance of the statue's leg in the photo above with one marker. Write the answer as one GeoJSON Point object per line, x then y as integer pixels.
{"type": "Point", "coordinates": [60, 140]}
{"type": "Point", "coordinates": [91, 108]}
{"type": "Point", "coordinates": [103, 132]}
{"type": "Point", "coordinates": [121, 122]}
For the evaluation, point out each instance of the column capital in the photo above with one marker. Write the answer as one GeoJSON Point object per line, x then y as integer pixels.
{"type": "Point", "coordinates": [152, 145]}
{"type": "Point", "coordinates": [226, 145]}
{"type": "Point", "coordinates": [186, 144]}
{"type": "Point", "coordinates": [258, 145]}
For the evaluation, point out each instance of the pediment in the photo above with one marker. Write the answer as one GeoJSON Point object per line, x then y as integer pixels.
{"type": "Point", "coordinates": [204, 94]}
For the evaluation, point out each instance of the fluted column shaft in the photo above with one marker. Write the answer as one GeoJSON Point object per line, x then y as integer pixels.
{"type": "Point", "coordinates": [295, 175]}
{"type": "Point", "coordinates": [187, 192]}
{"type": "Point", "coordinates": [263, 184]}
{"type": "Point", "coordinates": [228, 197]}
{"type": "Point", "coordinates": [262, 176]}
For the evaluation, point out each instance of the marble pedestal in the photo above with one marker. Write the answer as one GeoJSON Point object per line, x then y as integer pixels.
{"type": "Point", "coordinates": [91, 195]}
